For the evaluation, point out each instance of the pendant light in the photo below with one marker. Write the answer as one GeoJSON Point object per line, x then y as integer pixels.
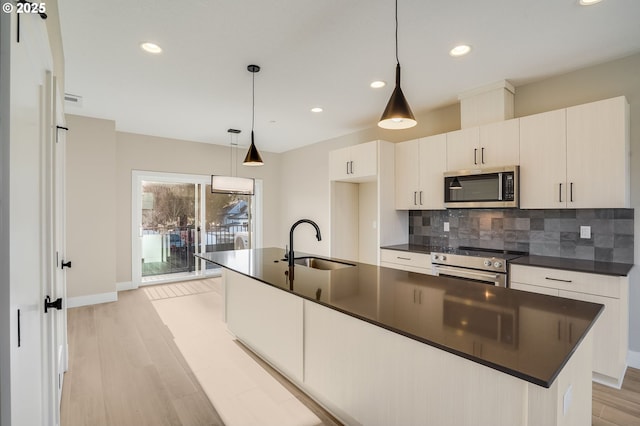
{"type": "Point", "coordinates": [253, 157]}
{"type": "Point", "coordinates": [232, 184]}
{"type": "Point", "coordinates": [397, 114]}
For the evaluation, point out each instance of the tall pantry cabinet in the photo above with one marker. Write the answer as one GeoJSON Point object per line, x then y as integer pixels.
{"type": "Point", "coordinates": [363, 216]}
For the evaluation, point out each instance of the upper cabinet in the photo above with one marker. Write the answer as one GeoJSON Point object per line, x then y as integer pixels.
{"type": "Point", "coordinates": [420, 165]}
{"type": "Point", "coordinates": [491, 145]}
{"type": "Point", "coordinates": [357, 163]}
{"type": "Point", "coordinates": [598, 154]}
{"type": "Point", "coordinates": [543, 160]}
{"type": "Point", "coordinates": [576, 157]}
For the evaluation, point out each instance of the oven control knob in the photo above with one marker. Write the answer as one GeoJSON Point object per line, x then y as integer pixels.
{"type": "Point", "coordinates": [487, 263]}
{"type": "Point", "coordinates": [436, 257]}
{"type": "Point", "coordinates": [443, 257]}
{"type": "Point", "coordinates": [498, 264]}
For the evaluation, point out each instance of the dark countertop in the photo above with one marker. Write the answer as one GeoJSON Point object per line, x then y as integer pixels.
{"type": "Point", "coordinates": [512, 331]}
{"type": "Point", "coordinates": [576, 265]}
{"type": "Point", "coordinates": [410, 247]}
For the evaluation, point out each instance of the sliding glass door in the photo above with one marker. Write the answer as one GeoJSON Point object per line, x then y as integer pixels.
{"type": "Point", "coordinates": [177, 216]}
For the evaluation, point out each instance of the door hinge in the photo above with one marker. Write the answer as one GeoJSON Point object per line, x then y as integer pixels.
{"type": "Point", "coordinates": [48, 304]}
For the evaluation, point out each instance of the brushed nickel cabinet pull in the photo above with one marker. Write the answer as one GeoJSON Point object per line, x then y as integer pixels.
{"type": "Point", "coordinates": [403, 258]}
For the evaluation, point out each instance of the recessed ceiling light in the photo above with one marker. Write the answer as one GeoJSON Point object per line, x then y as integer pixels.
{"type": "Point", "coordinates": [151, 47]}
{"type": "Point", "coordinates": [378, 84]}
{"type": "Point", "coordinates": [589, 2]}
{"type": "Point", "coordinates": [316, 109]}
{"type": "Point", "coordinates": [460, 50]}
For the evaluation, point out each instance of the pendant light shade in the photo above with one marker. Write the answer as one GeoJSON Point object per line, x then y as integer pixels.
{"type": "Point", "coordinates": [253, 157]}
{"type": "Point", "coordinates": [397, 114]}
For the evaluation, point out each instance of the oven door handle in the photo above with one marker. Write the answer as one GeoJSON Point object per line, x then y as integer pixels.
{"type": "Point", "coordinates": [443, 270]}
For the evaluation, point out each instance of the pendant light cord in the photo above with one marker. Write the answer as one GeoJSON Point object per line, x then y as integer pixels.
{"type": "Point", "coordinates": [253, 99]}
{"type": "Point", "coordinates": [397, 60]}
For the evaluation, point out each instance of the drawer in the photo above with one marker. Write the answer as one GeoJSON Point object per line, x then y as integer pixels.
{"type": "Point", "coordinates": [406, 258]}
{"type": "Point", "coordinates": [581, 282]}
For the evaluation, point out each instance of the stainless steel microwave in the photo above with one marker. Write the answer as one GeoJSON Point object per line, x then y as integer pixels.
{"type": "Point", "coordinates": [487, 188]}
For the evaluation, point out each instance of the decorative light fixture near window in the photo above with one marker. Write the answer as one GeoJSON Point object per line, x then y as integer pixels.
{"type": "Point", "coordinates": [253, 157]}
{"type": "Point", "coordinates": [397, 114]}
{"type": "Point", "coordinates": [232, 184]}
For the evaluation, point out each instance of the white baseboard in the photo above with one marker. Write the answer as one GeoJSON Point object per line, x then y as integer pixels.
{"type": "Point", "coordinates": [92, 299]}
{"type": "Point", "coordinates": [633, 359]}
{"type": "Point", "coordinates": [126, 285]}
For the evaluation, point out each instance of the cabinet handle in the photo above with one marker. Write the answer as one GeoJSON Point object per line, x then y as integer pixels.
{"type": "Point", "coordinates": [482, 155]}
{"type": "Point", "coordinates": [560, 192]}
{"type": "Point", "coordinates": [571, 192]}
{"type": "Point", "coordinates": [559, 337]}
{"type": "Point", "coordinates": [558, 279]}
{"type": "Point", "coordinates": [415, 194]}
{"type": "Point", "coordinates": [475, 155]}
{"type": "Point", "coordinates": [414, 295]}
{"type": "Point", "coordinates": [403, 258]}
{"type": "Point", "coordinates": [347, 163]}
{"type": "Point", "coordinates": [570, 332]}
{"type": "Point", "coordinates": [420, 197]}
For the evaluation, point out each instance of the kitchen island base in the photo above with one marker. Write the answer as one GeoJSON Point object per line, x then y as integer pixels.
{"type": "Point", "coordinates": [367, 375]}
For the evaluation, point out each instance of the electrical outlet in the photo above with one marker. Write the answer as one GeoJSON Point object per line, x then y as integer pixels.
{"type": "Point", "coordinates": [446, 227]}
{"type": "Point", "coordinates": [585, 232]}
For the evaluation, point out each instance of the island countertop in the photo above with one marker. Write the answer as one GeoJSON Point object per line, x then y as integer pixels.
{"type": "Point", "coordinates": [516, 332]}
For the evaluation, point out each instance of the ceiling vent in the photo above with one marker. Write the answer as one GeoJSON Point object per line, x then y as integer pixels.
{"type": "Point", "coordinates": [73, 100]}
{"type": "Point", "coordinates": [486, 104]}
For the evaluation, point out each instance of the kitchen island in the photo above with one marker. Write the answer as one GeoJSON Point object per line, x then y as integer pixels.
{"type": "Point", "coordinates": [383, 346]}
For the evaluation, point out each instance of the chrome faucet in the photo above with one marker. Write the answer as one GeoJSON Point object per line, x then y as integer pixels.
{"type": "Point", "coordinates": [318, 236]}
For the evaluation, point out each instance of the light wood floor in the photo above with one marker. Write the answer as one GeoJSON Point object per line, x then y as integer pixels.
{"type": "Point", "coordinates": [125, 369]}
{"type": "Point", "coordinates": [618, 407]}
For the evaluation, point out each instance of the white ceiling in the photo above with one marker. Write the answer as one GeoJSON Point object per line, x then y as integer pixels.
{"type": "Point", "coordinates": [315, 53]}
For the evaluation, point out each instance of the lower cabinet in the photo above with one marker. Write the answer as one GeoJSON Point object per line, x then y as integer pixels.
{"type": "Point", "coordinates": [367, 375]}
{"type": "Point", "coordinates": [406, 261]}
{"type": "Point", "coordinates": [266, 319]}
{"type": "Point", "coordinates": [611, 330]}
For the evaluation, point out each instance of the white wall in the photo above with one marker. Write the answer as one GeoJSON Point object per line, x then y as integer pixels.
{"type": "Point", "coordinates": [91, 207]}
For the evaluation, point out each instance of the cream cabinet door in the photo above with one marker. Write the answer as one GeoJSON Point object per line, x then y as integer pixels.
{"type": "Point", "coordinates": [499, 144]}
{"type": "Point", "coordinates": [364, 160]}
{"type": "Point", "coordinates": [463, 149]}
{"type": "Point", "coordinates": [606, 334]}
{"type": "Point", "coordinates": [357, 163]}
{"type": "Point", "coordinates": [407, 174]}
{"type": "Point", "coordinates": [543, 159]}
{"type": "Point", "coordinates": [433, 163]}
{"type": "Point", "coordinates": [339, 164]}
{"type": "Point", "coordinates": [598, 154]}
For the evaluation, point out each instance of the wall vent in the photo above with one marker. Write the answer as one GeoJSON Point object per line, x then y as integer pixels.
{"type": "Point", "coordinates": [74, 100]}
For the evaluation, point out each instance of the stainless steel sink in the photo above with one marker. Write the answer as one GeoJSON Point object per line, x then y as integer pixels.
{"type": "Point", "coordinates": [318, 263]}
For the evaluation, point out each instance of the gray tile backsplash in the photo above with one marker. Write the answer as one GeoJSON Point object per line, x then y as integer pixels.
{"type": "Point", "coordinates": [539, 232]}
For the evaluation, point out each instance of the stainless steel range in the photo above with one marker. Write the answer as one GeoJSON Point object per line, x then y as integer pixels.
{"type": "Point", "coordinates": [484, 266]}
